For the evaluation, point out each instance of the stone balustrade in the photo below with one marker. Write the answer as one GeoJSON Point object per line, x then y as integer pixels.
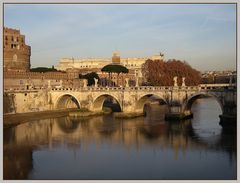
{"type": "Point", "coordinates": [140, 88]}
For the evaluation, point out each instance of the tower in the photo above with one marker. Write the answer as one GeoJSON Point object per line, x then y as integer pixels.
{"type": "Point", "coordinates": [16, 54]}
{"type": "Point", "coordinates": [116, 58]}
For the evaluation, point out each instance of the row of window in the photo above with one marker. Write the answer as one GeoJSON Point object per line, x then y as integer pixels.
{"type": "Point", "coordinates": [85, 66]}
{"type": "Point", "coordinates": [6, 43]}
{"type": "Point", "coordinates": [16, 39]}
{"type": "Point", "coordinates": [126, 65]}
{"type": "Point", "coordinates": [13, 46]}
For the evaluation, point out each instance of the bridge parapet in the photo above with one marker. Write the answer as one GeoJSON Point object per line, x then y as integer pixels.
{"type": "Point", "coordinates": [141, 88]}
{"type": "Point", "coordinates": [201, 87]}
{"type": "Point", "coordinates": [20, 90]}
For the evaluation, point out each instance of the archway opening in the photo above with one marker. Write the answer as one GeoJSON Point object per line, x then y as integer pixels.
{"type": "Point", "coordinates": [206, 109]}
{"type": "Point", "coordinates": [107, 103]}
{"type": "Point", "coordinates": [203, 97]}
{"type": "Point", "coordinates": [149, 102]}
{"type": "Point", "coordinates": [67, 102]}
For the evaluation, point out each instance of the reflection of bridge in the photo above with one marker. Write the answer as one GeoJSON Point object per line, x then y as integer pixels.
{"type": "Point", "coordinates": [20, 143]}
{"type": "Point", "coordinates": [130, 99]}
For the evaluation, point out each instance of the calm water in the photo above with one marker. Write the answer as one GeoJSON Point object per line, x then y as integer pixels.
{"type": "Point", "coordinates": [107, 148]}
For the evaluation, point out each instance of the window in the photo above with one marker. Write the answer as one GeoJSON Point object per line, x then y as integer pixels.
{"type": "Point", "coordinates": [13, 46]}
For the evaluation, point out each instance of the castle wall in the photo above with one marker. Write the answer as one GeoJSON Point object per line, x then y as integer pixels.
{"type": "Point", "coordinates": [20, 80]}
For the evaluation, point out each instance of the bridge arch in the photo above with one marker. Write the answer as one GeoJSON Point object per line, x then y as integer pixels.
{"type": "Point", "coordinates": [139, 106]}
{"type": "Point", "coordinates": [99, 101]}
{"type": "Point", "coordinates": [67, 101]}
{"type": "Point", "coordinates": [188, 103]}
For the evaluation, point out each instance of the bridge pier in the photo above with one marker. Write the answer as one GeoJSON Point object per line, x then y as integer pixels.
{"type": "Point", "coordinates": [177, 113]}
{"type": "Point", "coordinates": [229, 116]}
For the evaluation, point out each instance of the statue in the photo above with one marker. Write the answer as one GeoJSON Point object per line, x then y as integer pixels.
{"type": "Point", "coordinates": [85, 83]}
{"type": "Point", "coordinates": [49, 83]}
{"type": "Point", "coordinates": [175, 81]}
{"type": "Point", "coordinates": [49, 97]}
{"type": "Point", "coordinates": [183, 81]}
{"type": "Point", "coordinates": [127, 80]}
{"type": "Point", "coordinates": [96, 82]}
{"type": "Point", "coordinates": [137, 84]}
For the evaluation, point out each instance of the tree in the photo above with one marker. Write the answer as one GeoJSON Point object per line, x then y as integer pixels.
{"type": "Point", "coordinates": [114, 68]}
{"type": "Point", "coordinates": [44, 69]}
{"type": "Point", "coordinates": [161, 73]}
{"type": "Point", "coordinates": [90, 77]}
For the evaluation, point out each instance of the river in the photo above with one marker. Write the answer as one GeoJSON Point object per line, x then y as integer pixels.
{"type": "Point", "coordinates": [106, 148]}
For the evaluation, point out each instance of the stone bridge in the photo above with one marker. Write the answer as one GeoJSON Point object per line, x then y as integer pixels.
{"type": "Point", "coordinates": [130, 99]}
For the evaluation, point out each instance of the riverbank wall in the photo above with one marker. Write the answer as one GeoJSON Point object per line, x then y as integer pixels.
{"type": "Point", "coordinates": [18, 118]}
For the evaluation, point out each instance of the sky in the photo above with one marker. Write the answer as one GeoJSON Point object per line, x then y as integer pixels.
{"type": "Point", "coordinates": [204, 35]}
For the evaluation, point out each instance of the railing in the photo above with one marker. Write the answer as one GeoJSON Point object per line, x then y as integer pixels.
{"type": "Point", "coordinates": [217, 86]}
{"type": "Point", "coordinates": [20, 90]}
{"type": "Point", "coordinates": [139, 88]}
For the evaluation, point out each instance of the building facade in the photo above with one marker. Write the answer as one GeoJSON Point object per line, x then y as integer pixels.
{"type": "Point", "coordinates": [88, 65]}
{"type": "Point", "coordinates": [16, 55]}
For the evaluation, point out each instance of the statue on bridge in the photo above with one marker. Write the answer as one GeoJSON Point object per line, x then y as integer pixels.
{"type": "Point", "coordinates": [175, 81]}
{"type": "Point", "coordinates": [96, 82]}
{"type": "Point", "coordinates": [49, 83]}
{"type": "Point", "coordinates": [61, 83]}
{"type": "Point", "coordinates": [137, 82]}
{"type": "Point", "coordinates": [127, 80]}
{"type": "Point", "coordinates": [183, 82]}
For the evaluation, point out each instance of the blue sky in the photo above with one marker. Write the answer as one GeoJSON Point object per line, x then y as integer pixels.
{"type": "Point", "coordinates": [204, 35]}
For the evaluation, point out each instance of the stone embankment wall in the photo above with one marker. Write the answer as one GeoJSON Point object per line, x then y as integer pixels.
{"type": "Point", "coordinates": [8, 104]}
{"type": "Point", "coordinates": [26, 102]}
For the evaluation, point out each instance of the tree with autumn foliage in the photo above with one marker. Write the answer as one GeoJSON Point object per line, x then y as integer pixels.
{"type": "Point", "coordinates": [161, 73]}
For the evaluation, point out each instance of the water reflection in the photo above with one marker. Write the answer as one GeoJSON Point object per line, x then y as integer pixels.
{"type": "Point", "coordinates": [106, 148]}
